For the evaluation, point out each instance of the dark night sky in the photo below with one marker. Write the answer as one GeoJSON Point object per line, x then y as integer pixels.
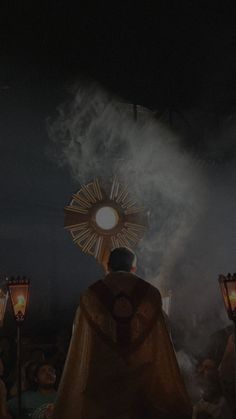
{"type": "Point", "coordinates": [174, 56]}
{"type": "Point", "coordinates": [170, 55]}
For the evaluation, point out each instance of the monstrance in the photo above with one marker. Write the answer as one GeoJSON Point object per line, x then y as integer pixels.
{"type": "Point", "coordinates": [101, 218]}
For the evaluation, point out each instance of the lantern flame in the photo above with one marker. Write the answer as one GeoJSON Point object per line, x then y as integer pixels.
{"type": "Point", "coordinates": [20, 305]}
{"type": "Point", "coordinates": [19, 292]}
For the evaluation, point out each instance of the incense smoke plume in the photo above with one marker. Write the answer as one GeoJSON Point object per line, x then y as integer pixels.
{"type": "Point", "coordinates": [96, 136]}
{"type": "Point", "coordinates": [189, 199]}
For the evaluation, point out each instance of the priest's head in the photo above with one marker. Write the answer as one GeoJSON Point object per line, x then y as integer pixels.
{"type": "Point", "coordinates": [122, 259]}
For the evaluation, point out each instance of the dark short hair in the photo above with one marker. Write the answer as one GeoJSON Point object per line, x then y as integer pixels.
{"type": "Point", "coordinates": [121, 259]}
{"type": "Point", "coordinates": [38, 367]}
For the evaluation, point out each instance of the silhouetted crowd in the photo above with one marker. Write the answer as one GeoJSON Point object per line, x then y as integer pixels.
{"type": "Point", "coordinates": [42, 366]}
{"type": "Point", "coordinates": [210, 383]}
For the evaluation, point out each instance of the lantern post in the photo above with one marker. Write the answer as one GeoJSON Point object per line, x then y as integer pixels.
{"type": "Point", "coordinates": [19, 296]}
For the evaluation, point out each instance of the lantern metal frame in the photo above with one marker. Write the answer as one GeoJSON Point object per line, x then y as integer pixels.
{"type": "Point", "coordinates": [12, 285]}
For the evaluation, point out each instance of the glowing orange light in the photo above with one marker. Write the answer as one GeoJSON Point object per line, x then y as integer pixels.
{"type": "Point", "coordinates": [19, 290]}
{"type": "Point", "coordinates": [20, 305]}
{"type": "Point", "coordinates": [228, 289]}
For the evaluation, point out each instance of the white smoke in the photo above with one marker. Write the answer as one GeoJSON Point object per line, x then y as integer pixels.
{"type": "Point", "coordinates": [94, 135]}
{"type": "Point", "coordinates": [192, 201]}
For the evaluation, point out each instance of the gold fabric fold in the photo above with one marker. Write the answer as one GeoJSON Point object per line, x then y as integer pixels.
{"type": "Point", "coordinates": [100, 381]}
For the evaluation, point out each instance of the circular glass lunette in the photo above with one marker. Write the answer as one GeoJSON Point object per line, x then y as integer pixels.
{"type": "Point", "coordinates": [107, 218]}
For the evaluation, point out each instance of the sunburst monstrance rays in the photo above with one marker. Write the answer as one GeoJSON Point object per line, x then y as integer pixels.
{"type": "Point", "coordinates": [99, 221]}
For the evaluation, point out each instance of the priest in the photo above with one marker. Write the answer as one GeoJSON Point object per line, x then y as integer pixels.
{"type": "Point", "coordinates": [121, 362]}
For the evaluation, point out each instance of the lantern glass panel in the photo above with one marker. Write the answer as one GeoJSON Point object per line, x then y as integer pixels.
{"type": "Point", "coordinates": [19, 298]}
{"type": "Point", "coordinates": [231, 285]}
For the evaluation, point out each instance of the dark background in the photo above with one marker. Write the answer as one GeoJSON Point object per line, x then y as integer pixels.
{"type": "Point", "coordinates": [170, 57]}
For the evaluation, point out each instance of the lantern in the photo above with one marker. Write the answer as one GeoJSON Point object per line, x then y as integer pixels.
{"type": "Point", "coordinates": [228, 289]}
{"type": "Point", "coordinates": [19, 292]}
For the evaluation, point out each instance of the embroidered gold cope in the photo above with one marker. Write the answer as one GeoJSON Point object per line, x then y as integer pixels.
{"type": "Point", "coordinates": [121, 363]}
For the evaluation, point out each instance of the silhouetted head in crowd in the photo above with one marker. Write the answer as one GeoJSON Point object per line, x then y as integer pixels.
{"type": "Point", "coordinates": [122, 259]}
{"type": "Point", "coordinates": [45, 376]}
{"type": "Point", "coordinates": [209, 380]}
{"type": "Point", "coordinates": [207, 368]}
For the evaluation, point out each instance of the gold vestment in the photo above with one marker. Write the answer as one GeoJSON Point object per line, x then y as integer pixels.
{"type": "Point", "coordinates": [121, 363]}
